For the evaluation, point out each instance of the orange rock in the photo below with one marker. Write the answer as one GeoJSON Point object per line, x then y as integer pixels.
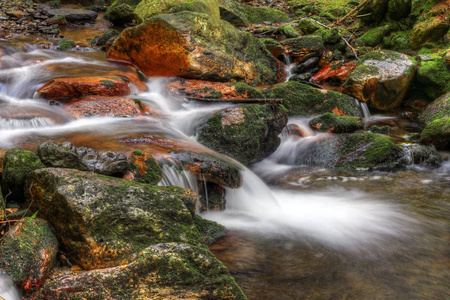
{"type": "Point", "coordinates": [334, 71]}
{"type": "Point", "coordinates": [63, 88]}
{"type": "Point", "coordinates": [294, 129]}
{"type": "Point", "coordinates": [202, 88]}
{"type": "Point", "coordinates": [103, 106]}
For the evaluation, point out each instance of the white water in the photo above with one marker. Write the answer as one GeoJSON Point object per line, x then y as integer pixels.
{"type": "Point", "coordinates": [7, 289]}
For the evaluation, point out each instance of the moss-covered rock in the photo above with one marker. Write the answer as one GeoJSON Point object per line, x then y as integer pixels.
{"type": "Point", "coordinates": [302, 48]}
{"type": "Point", "coordinates": [210, 230]}
{"type": "Point", "coordinates": [382, 79]}
{"type": "Point", "coordinates": [429, 30]}
{"type": "Point", "coordinates": [424, 155]}
{"type": "Point", "coordinates": [374, 36]}
{"type": "Point", "coordinates": [240, 14]}
{"type": "Point", "coordinates": [105, 221]}
{"type": "Point", "coordinates": [380, 130]}
{"type": "Point", "coordinates": [374, 11]}
{"type": "Point", "coordinates": [65, 44]}
{"type": "Point", "coordinates": [308, 26]}
{"type": "Point", "coordinates": [120, 14]}
{"type": "Point", "coordinates": [329, 36]}
{"type": "Point", "coordinates": [28, 253]}
{"type": "Point", "coordinates": [196, 46]}
{"type": "Point", "coordinates": [247, 133]}
{"type": "Point", "coordinates": [397, 41]}
{"type": "Point", "coordinates": [287, 31]}
{"type": "Point", "coordinates": [433, 76]}
{"type": "Point", "coordinates": [101, 40]}
{"type": "Point", "coordinates": [420, 7]}
{"type": "Point", "coordinates": [304, 100]}
{"type": "Point", "coordinates": [330, 122]}
{"type": "Point", "coordinates": [438, 109]}
{"type": "Point", "coordinates": [437, 133]}
{"type": "Point", "coordinates": [18, 164]}
{"type": "Point", "coordinates": [247, 91]}
{"type": "Point", "coordinates": [162, 271]}
{"type": "Point", "coordinates": [145, 169]}
{"type": "Point", "coordinates": [148, 8]}
{"type": "Point", "coordinates": [2, 207]}
{"type": "Point", "coordinates": [274, 47]}
{"type": "Point", "coordinates": [399, 9]}
{"type": "Point", "coordinates": [194, 6]}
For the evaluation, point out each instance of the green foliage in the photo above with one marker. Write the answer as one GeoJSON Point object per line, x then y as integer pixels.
{"type": "Point", "coordinates": [65, 44]}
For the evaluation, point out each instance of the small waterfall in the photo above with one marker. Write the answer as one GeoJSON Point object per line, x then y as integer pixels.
{"type": "Point", "coordinates": [7, 289]}
{"type": "Point", "coordinates": [288, 66]}
{"type": "Point", "coordinates": [173, 175]}
{"type": "Point", "coordinates": [29, 122]}
{"type": "Point", "coordinates": [364, 108]}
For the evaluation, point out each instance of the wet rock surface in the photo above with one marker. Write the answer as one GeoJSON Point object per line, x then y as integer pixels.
{"type": "Point", "coordinates": [74, 15]}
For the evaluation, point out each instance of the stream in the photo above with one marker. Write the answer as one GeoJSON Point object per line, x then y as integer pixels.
{"type": "Point", "coordinates": [295, 232]}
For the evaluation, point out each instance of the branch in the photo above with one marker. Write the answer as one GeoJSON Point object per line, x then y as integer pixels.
{"type": "Point", "coordinates": [350, 13]}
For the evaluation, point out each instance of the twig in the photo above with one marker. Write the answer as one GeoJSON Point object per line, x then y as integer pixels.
{"type": "Point", "coordinates": [245, 100]}
{"type": "Point", "coordinates": [350, 13]}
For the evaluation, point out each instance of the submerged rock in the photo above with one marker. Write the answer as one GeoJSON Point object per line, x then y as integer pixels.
{"type": "Point", "coordinates": [247, 133]}
{"type": "Point", "coordinates": [330, 122]}
{"type": "Point", "coordinates": [194, 45]}
{"type": "Point", "coordinates": [382, 79]}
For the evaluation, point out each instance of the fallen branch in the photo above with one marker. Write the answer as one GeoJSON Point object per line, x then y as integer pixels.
{"type": "Point", "coordinates": [231, 100]}
{"type": "Point", "coordinates": [350, 13]}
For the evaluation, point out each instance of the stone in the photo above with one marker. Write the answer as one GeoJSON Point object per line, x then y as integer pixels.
{"type": "Point", "coordinates": [330, 122]}
{"type": "Point", "coordinates": [74, 87]}
{"type": "Point", "coordinates": [120, 15]}
{"type": "Point", "coordinates": [447, 58]}
{"type": "Point", "coordinates": [430, 30]}
{"type": "Point", "coordinates": [105, 221]}
{"type": "Point", "coordinates": [399, 9]}
{"type": "Point", "coordinates": [287, 31]}
{"type": "Point", "coordinates": [274, 47]}
{"type": "Point", "coordinates": [437, 133]}
{"type": "Point", "coordinates": [433, 76]}
{"type": "Point", "coordinates": [59, 20]}
{"type": "Point", "coordinates": [247, 133]}
{"type": "Point", "coordinates": [149, 8]}
{"type": "Point", "coordinates": [145, 168]}
{"type": "Point", "coordinates": [306, 65]}
{"type": "Point", "coordinates": [374, 11]}
{"type": "Point", "coordinates": [374, 36]}
{"type": "Point", "coordinates": [382, 79]}
{"type": "Point", "coordinates": [74, 15]}
{"type": "Point", "coordinates": [424, 155]}
{"type": "Point", "coordinates": [102, 40]}
{"type": "Point", "coordinates": [65, 44]}
{"type": "Point", "coordinates": [28, 253]}
{"type": "Point", "coordinates": [438, 109]}
{"type": "Point", "coordinates": [102, 106]}
{"type": "Point", "coordinates": [2, 207]}
{"type": "Point", "coordinates": [66, 155]}
{"type": "Point", "coordinates": [308, 26]}
{"type": "Point", "coordinates": [336, 71]}
{"type": "Point", "coordinates": [302, 48]}
{"type": "Point", "coordinates": [18, 164]}
{"type": "Point", "coordinates": [196, 46]}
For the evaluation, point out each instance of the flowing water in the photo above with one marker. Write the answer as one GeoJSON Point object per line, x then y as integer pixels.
{"type": "Point", "coordinates": [312, 234]}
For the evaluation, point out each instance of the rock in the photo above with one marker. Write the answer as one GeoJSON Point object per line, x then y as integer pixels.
{"type": "Point", "coordinates": [420, 7]}
{"type": "Point", "coordinates": [194, 45]}
{"type": "Point", "coordinates": [335, 71]}
{"type": "Point", "coordinates": [110, 34]}
{"type": "Point", "coordinates": [161, 271]}
{"type": "Point", "coordinates": [399, 9]}
{"type": "Point", "coordinates": [287, 31]}
{"type": "Point", "coordinates": [240, 14]}
{"type": "Point", "coordinates": [330, 122]}
{"type": "Point", "coordinates": [59, 20]}
{"type": "Point", "coordinates": [101, 106]}
{"type": "Point", "coordinates": [308, 26]}
{"type": "Point", "coordinates": [65, 44]}
{"type": "Point", "coordinates": [433, 76]}
{"type": "Point", "coordinates": [105, 221]}
{"type": "Point", "coordinates": [74, 87]}
{"type": "Point", "coordinates": [149, 8]}
{"type": "Point", "coordinates": [295, 130]}
{"type": "Point", "coordinates": [329, 36]}
{"type": "Point", "coordinates": [447, 58]}
{"type": "Point", "coordinates": [397, 41]}
{"type": "Point", "coordinates": [28, 253]}
{"type": "Point", "coordinates": [425, 155]}
{"type": "Point", "coordinates": [74, 15]}
{"type": "Point", "coordinates": [18, 164]}
{"type": "Point", "coordinates": [274, 47]}
{"type": "Point", "coordinates": [304, 100]}
{"type": "Point", "coordinates": [382, 79]}
{"type": "Point", "coordinates": [430, 30]}
{"type": "Point", "coordinates": [19, 14]}
{"type": "Point", "coordinates": [302, 48]}
{"type": "Point", "coordinates": [120, 15]}
{"type": "Point", "coordinates": [374, 11]}
{"type": "Point", "coordinates": [437, 133]}
{"type": "Point", "coordinates": [306, 65]}
{"type": "Point", "coordinates": [374, 36]}
{"type": "Point", "coordinates": [66, 155]}
{"type": "Point", "coordinates": [246, 91]}
{"type": "Point", "coordinates": [438, 109]}
{"type": "Point", "coordinates": [211, 197]}
{"type": "Point", "coordinates": [247, 133]}
{"type": "Point", "coordinates": [380, 130]}
{"type": "Point", "coordinates": [144, 168]}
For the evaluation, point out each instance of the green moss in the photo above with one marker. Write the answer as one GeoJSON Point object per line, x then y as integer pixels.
{"type": "Point", "coordinates": [437, 133]}
{"type": "Point", "coordinates": [137, 152]}
{"type": "Point", "coordinates": [329, 36]}
{"type": "Point", "coordinates": [381, 130]}
{"type": "Point", "coordinates": [247, 90]}
{"type": "Point", "coordinates": [255, 15]}
{"type": "Point", "coordinates": [397, 41]}
{"type": "Point", "coordinates": [374, 36]}
{"type": "Point", "coordinates": [330, 122]}
{"type": "Point", "coordinates": [108, 83]}
{"type": "Point", "coordinates": [65, 44]}
{"type": "Point", "coordinates": [210, 230]}
{"type": "Point", "coordinates": [287, 31]}
{"type": "Point", "coordinates": [434, 76]}
{"type": "Point", "coordinates": [105, 37]}
{"type": "Point", "coordinates": [308, 26]}
{"type": "Point", "coordinates": [438, 109]}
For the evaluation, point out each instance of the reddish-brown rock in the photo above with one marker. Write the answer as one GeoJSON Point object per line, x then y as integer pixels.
{"type": "Point", "coordinates": [102, 106]}
{"type": "Point", "coordinates": [335, 71]}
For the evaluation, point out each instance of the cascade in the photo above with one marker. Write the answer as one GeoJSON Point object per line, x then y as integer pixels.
{"type": "Point", "coordinates": [288, 66]}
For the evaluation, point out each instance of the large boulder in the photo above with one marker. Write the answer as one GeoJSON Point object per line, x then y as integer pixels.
{"type": "Point", "coordinates": [74, 15]}
{"type": "Point", "coordinates": [149, 8]}
{"type": "Point", "coordinates": [374, 36]}
{"type": "Point", "coordinates": [437, 133]}
{"type": "Point", "coordinates": [303, 100]}
{"type": "Point", "coordinates": [382, 79]}
{"type": "Point", "coordinates": [161, 271]}
{"type": "Point", "coordinates": [247, 133]}
{"type": "Point", "coordinates": [433, 75]}
{"type": "Point", "coordinates": [105, 221]}
{"type": "Point", "coordinates": [120, 14]}
{"type": "Point", "coordinates": [330, 122]}
{"type": "Point", "coordinates": [439, 108]}
{"type": "Point", "coordinates": [374, 10]}
{"type": "Point", "coordinates": [194, 45]}
{"type": "Point", "coordinates": [429, 30]}
{"type": "Point", "coordinates": [302, 48]}
{"type": "Point", "coordinates": [28, 253]}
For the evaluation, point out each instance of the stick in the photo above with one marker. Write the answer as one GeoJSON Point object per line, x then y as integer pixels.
{"type": "Point", "coordinates": [350, 13]}
{"type": "Point", "coordinates": [245, 100]}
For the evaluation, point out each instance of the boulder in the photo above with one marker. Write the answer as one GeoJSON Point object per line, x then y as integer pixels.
{"type": "Point", "coordinates": [382, 79]}
{"type": "Point", "coordinates": [336, 71]}
{"type": "Point", "coordinates": [18, 164]}
{"type": "Point", "coordinates": [399, 9]}
{"type": "Point", "coordinates": [437, 133]}
{"type": "Point", "coordinates": [65, 44]}
{"type": "Point", "coordinates": [145, 168]}
{"type": "Point", "coordinates": [73, 87]}
{"type": "Point", "coordinates": [330, 122]}
{"type": "Point", "coordinates": [66, 155]}
{"type": "Point", "coordinates": [149, 8]}
{"type": "Point", "coordinates": [105, 221]}
{"type": "Point", "coordinates": [287, 31]}
{"type": "Point", "coordinates": [274, 47]}
{"type": "Point", "coordinates": [422, 154]}
{"type": "Point", "coordinates": [433, 76]}
{"type": "Point", "coordinates": [74, 15]}
{"type": "Point", "coordinates": [240, 14]}
{"type": "Point", "coordinates": [101, 106]}
{"type": "Point", "coordinates": [430, 30]}
{"type": "Point", "coordinates": [374, 11]}
{"type": "Point", "coordinates": [120, 15]}
{"type": "Point", "coordinates": [308, 26]}
{"type": "Point", "coordinates": [247, 133]}
{"type": "Point", "coordinates": [397, 41]}
{"type": "Point", "coordinates": [374, 36]}
{"type": "Point", "coordinates": [161, 271]}
{"type": "Point", "coordinates": [303, 100]}
{"type": "Point", "coordinates": [302, 48]}
{"type": "Point", "coordinates": [28, 253]}
{"type": "Point", "coordinates": [106, 38]}
{"type": "Point", "coordinates": [438, 109]}
{"type": "Point", "coordinates": [194, 45]}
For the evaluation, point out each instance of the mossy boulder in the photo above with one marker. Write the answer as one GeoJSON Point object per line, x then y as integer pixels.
{"type": "Point", "coordinates": [18, 164]}
{"type": "Point", "coordinates": [399, 9]}
{"type": "Point", "coordinates": [397, 41]}
{"type": "Point", "coordinates": [197, 46]}
{"type": "Point", "coordinates": [302, 48]}
{"type": "Point", "coordinates": [382, 79]}
{"type": "Point", "coordinates": [420, 7]}
{"type": "Point", "coordinates": [424, 155]}
{"type": "Point", "coordinates": [374, 11]}
{"type": "Point", "coordinates": [287, 31]}
{"type": "Point", "coordinates": [161, 271]}
{"type": "Point", "coordinates": [210, 230]}
{"type": "Point", "coordinates": [374, 36]}
{"type": "Point", "coordinates": [437, 133]}
{"type": "Point", "coordinates": [330, 122]}
{"type": "Point", "coordinates": [145, 168]}
{"type": "Point", "coordinates": [240, 14]}
{"type": "Point", "coordinates": [65, 44]}
{"type": "Point", "coordinates": [247, 133]}
{"type": "Point", "coordinates": [438, 109]}
{"type": "Point", "coordinates": [433, 76]}
{"type": "Point", "coordinates": [149, 8]}
{"type": "Point", "coordinates": [429, 30]}
{"type": "Point", "coordinates": [247, 91]}
{"type": "Point", "coordinates": [303, 100]}
{"type": "Point", "coordinates": [105, 221]}
{"type": "Point", "coordinates": [274, 47]}
{"type": "Point", "coordinates": [329, 36]}
{"type": "Point", "coordinates": [120, 14]}
{"type": "Point", "coordinates": [308, 26]}
{"type": "Point", "coordinates": [28, 253]}
{"type": "Point", "coordinates": [101, 40]}
{"type": "Point", "coordinates": [380, 130]}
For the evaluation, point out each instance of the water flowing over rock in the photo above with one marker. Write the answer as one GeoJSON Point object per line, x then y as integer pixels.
{"type": "Point", "coordinates": [74, 15]}
{"type": "Point", "coordinates": [105, 221]}
{"type": "Point", "coordinates": [66, 155]}
{"type": "Point", "coordinates": [382, 79]}
{"type": "Point", "coordinates": [247, 133]}
{"type": "Point", "coordinates": [302, 48]}
{"type": "Point", "coordinates": [197, 46]}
